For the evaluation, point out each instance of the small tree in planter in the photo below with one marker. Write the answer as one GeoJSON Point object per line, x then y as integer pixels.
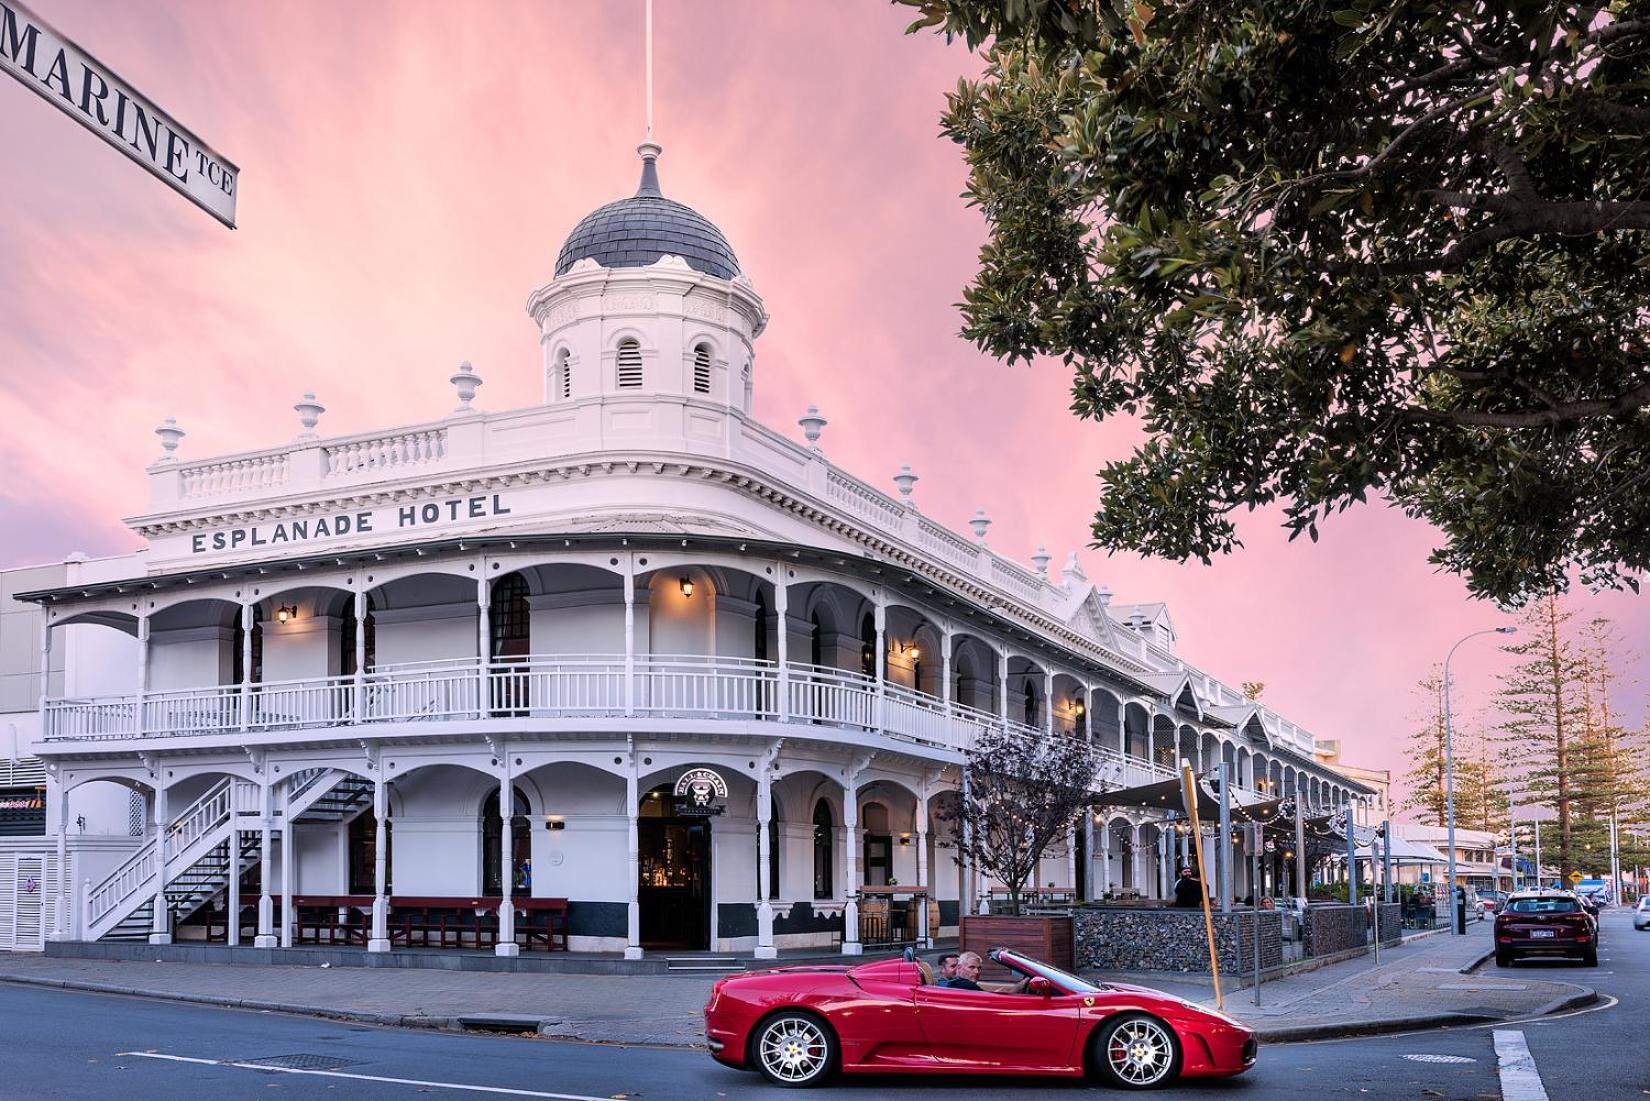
{"type": "Point", "coordinates": [1022, 795]}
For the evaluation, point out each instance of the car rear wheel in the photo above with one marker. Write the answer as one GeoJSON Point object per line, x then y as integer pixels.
{"type": "Point", "coordinates": [1590, 958]}
{"type": "Point", "coordinates": [1503, 958]}
{"type": "Point", "coordinates": [794, 1049]}
{"type": "Point", "coordinates": [1136, 1052]}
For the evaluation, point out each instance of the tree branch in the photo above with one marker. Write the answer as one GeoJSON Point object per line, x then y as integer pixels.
{"type": "Point", "coordinates": [1558, 416]}
{"type": "Point", "coordinates": [1576, 219]}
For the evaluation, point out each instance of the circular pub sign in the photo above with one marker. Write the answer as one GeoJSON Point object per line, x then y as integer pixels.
{"type": "Point", "coordinates": [700, 792]}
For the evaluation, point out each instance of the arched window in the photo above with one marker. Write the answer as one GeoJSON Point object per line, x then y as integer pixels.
{"type": "Point", "coordinates": [1031, 715]}
{"type": "Point", "coordinates": [816, 643]}
{"type": "Point", "coordinates": [363, 854]}
{"type": "Point", "coordinates": [630, 364]}
{"type": "Point", "coordinates": [868, 645]}
{"type": "Point", "coordinates": [346, 640]}
{"type": "Point", "coordinates": [824, 846]}
{"type": "Point", "coordinates": [510, 617]}
{"type": "Point", "coordinates": [562, 383]}
{"type": "Point", "coordinates": [773, 850]}
{"type": "Point", "coordinates": [746, 373]}
{"type": "Point", "coordinates": [701, 369]}
{"type": "Point", "coordinates": [759, 641]}
{"type": "Point", "coordinates": [521, 846]}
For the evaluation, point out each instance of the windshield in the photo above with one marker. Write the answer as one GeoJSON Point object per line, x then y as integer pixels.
{"type": "Point", "coordinates": [1542, 906]}
{"type": "Point", "coordinates": [1063, 979]}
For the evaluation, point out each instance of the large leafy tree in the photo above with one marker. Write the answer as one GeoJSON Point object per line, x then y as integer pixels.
{"type": "Point", "coordinates": [1326, 249]}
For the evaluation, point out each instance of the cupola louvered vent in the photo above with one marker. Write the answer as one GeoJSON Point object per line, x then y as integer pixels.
{"type": "Point", "coordinates": [564, 375]}
{"type": "Point", "coordinates": [630, 365]}
{"type": "Point", "coordinates": [701, 369]}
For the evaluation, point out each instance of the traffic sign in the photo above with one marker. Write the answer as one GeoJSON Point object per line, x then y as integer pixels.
{"type": "Point", "coordinates": [1576, 877]}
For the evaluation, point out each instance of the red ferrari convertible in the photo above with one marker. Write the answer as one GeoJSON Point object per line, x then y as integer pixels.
{"type": "Point", "coordinates": [797, 1025]}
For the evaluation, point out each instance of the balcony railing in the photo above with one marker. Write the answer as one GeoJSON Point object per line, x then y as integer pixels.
{"type": "Point", "coordinates": [547, 686]}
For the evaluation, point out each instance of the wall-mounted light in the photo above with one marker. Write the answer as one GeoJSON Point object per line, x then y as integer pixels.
{"type": "Point", "coordinates": [284, 613]}
{"type": "Point", "coordinates": [1079, 709]}
{"type": "Point", "coordinates": [904, 839]}
{"type": "Point", "coordinates": [687, 585]}
{"type": "Point", "coordinates": [555, 824]}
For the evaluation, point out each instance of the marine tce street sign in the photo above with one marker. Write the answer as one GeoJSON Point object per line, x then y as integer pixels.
{"type": "Point", "coordinates": [90, 92]}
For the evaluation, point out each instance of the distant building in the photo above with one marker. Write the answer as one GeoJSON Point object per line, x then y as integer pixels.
{"type": "Point", "coordinates": [1378, 780]}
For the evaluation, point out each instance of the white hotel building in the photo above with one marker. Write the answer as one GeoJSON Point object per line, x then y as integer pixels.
{"type": "Point", "coordinates": [336, 658]}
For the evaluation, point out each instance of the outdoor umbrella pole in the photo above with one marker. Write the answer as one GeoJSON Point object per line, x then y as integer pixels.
{"type": "Point", "coordinates": [1188, 789]}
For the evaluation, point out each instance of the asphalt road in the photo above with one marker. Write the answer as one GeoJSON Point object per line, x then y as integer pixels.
{"type": "Point", "coordinates": [59, 1044]}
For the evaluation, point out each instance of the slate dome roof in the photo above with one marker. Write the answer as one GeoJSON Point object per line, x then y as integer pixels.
{"type": "Point", "coordinates": [637, 231]}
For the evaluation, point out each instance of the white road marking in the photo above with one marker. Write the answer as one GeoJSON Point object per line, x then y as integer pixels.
{"type": "Point", "coordinates": [505, 1090]}
{"type": "Point", "coordinates": [1520, 1081]}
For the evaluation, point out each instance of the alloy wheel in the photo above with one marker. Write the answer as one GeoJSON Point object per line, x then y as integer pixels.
{"type": "Point", "coordinates": [794, 1050]}
{"type": "Point", "coordinates": [1140, 1052]}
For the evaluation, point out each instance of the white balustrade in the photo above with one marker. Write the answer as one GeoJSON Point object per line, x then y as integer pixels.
{"type": "Point", "coordinates": [192, 710]}
{"type": "Point", "coordinates": [553, 686]}
{"type": "Point", "coordinates": [250, 472]}
{"type": "Point", "coordinates": [187, 837]}
{"type": "Point", "coordinates": [380, 453]}
{"type": "Point", "coordinates": [325, 701]}
{"type": "Point", "coordinates": [691, 685]}
{"type": "Point", "coordinates": [207, 812]}
{"type": "Point", "coordinates": [90, 719]}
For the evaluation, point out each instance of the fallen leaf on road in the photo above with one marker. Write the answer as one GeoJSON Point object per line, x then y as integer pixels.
{"type": "Point", "coordinates": [1431, 1093]}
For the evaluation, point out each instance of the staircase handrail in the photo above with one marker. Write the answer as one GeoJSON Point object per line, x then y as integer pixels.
{"type": "Point", "coordinates": [129, 877]}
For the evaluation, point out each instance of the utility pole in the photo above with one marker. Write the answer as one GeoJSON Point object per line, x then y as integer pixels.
{"type": "Point", "coordinates": [1449, 770]}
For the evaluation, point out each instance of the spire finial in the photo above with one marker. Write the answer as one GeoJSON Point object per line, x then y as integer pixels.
{"type": "Point", "coordinates": [649, 21]}
{"type": "Point", "coordinates": [649, 187]}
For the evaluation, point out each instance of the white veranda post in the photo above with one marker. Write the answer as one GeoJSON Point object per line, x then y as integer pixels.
{"type": "Point", "coordinates": [161, 927]}
{"type": "Point", "coordinates": [507, 945]}
{"type": "Point", "coordinates": [266, 853]}
{"type": "Point", "coordinates": [850, 870]}
{"type": "Point", "coordinates": [765, 949]}
{"type": "Point", "coordinates": [924, 934]}
{"type": "Point", "coordinates": [633, 920]}
{"type": "Point", "coordinates": [380, 939]}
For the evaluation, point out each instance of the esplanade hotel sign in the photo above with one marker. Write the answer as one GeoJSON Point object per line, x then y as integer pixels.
{"type": "Point", "coordinates": [624, 671]}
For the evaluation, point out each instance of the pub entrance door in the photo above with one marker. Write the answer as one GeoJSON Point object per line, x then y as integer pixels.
{"type": "Point", "coordinates": [674, 893]}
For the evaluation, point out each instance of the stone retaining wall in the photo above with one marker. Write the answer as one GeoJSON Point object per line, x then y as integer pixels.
{"type": "Point", "coordinates": [1171, 940]}
{"type": "Point", "coordinates": [1335, 927]}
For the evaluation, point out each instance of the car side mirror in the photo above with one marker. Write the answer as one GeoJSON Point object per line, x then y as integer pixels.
{"type": "Point", "coordinates": [1038, 985]}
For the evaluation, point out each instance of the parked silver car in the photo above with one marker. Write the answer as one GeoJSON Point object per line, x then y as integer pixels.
{"type": "Point", "coordinates": [1641, 914]}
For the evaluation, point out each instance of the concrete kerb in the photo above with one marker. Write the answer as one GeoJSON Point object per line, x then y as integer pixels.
{"type": "Point", "coordinates": [1370, 1027]}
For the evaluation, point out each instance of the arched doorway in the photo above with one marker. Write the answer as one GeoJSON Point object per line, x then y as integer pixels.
{"type": "Point", "coordinates": [674, 892]}
{"type": "Point", "coordinates": [521, 845]}
{"type": "Point", "coordinates": [363, 853]}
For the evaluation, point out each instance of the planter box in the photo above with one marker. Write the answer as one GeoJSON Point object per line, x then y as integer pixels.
{"type": "Point", "coordinates": [1047, 938]}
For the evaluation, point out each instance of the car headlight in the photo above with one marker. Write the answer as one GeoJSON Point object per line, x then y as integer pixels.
{"type": "Point", "coordinates": [1215, 1013]}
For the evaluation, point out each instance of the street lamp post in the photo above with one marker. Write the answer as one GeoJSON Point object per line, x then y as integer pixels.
{"type": "Point", "coordinates": [1449, 766]}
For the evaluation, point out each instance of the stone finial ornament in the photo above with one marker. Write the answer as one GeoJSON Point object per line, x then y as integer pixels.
{"type": "Point", "coordinates": [309, 412]}
{"type": "Point", "coordinates": [1103, 593]}
{"type": "Point", "coordinates": [465, 381]}
{"type": "Point", "coordinates": [1072, 573]}
{"type": "Point", "coordinates": [1040, 560]}
{"type": "Point", "coordinates": [905, 480]}
{"type": "Point", "coordinates": [981, 523]}
{"type": "Point", "coordinates": [170, 434]}
{"type": "Point", "coordinates": [812, 424]}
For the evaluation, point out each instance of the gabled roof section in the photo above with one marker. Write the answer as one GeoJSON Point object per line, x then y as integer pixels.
{"type": "Point", "coordinates": [1088, 617]}
{"type": "Point", "coordinates": [1248, 719]}
{"type": "Point", "coordinates": [1151, 620]}
{"type": "Point", "coordinates": [1176, 687]}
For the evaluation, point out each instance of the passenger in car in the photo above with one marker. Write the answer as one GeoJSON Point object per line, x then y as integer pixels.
{"type": "Point", "coordinates": [947, 969]}
{"type": "Point", "coordinates": [968, 973]}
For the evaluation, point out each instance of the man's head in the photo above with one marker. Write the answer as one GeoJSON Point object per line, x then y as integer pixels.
{"type": "Point", "coordinates": [1188, 872]}
{"type": "Point", "coordinates": [948, 966]}
{"type": "Point", "coordinates": [968, 966]}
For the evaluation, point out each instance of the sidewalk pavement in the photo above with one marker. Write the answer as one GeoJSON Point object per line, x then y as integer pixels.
{"type": "Point", "coordinates": [1421, 984]}
{"type": "Point", "coordinates": [1429, 981]}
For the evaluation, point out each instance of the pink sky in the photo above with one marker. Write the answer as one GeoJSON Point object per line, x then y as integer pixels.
{"type": "Point", "coordinates": [408, 173]}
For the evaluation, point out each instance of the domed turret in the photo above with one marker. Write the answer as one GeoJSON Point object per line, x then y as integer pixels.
{"type": "Point", "coordinates": [636, 232]}
{"type": "Point", "coordinates": [648, 306]}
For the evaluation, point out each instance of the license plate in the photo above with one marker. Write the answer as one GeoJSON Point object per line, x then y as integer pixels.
{"type": "Point", "coordinates": [1541, 932]}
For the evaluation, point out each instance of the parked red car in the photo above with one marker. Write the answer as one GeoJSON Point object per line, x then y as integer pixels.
{"type": "Point", "coordinates": [798, 1025]}
{"type": "Point", "coordinates": [1545, 923]}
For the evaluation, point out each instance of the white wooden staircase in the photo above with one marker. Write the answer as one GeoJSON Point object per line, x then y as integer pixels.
{"type": "Point", "coordinates": [197, 847]}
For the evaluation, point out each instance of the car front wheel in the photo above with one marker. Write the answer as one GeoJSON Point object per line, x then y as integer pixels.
{"type": "Point", "coordinates": [794, 1049]}
{"type": "Point", "coordinates": [1136, 1052]}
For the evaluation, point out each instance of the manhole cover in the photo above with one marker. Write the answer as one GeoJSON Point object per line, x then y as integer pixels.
{"type": "Point", "coordinates": [1440, 1059]}
{"type": "Point", "coordinates": [298, 1062]}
